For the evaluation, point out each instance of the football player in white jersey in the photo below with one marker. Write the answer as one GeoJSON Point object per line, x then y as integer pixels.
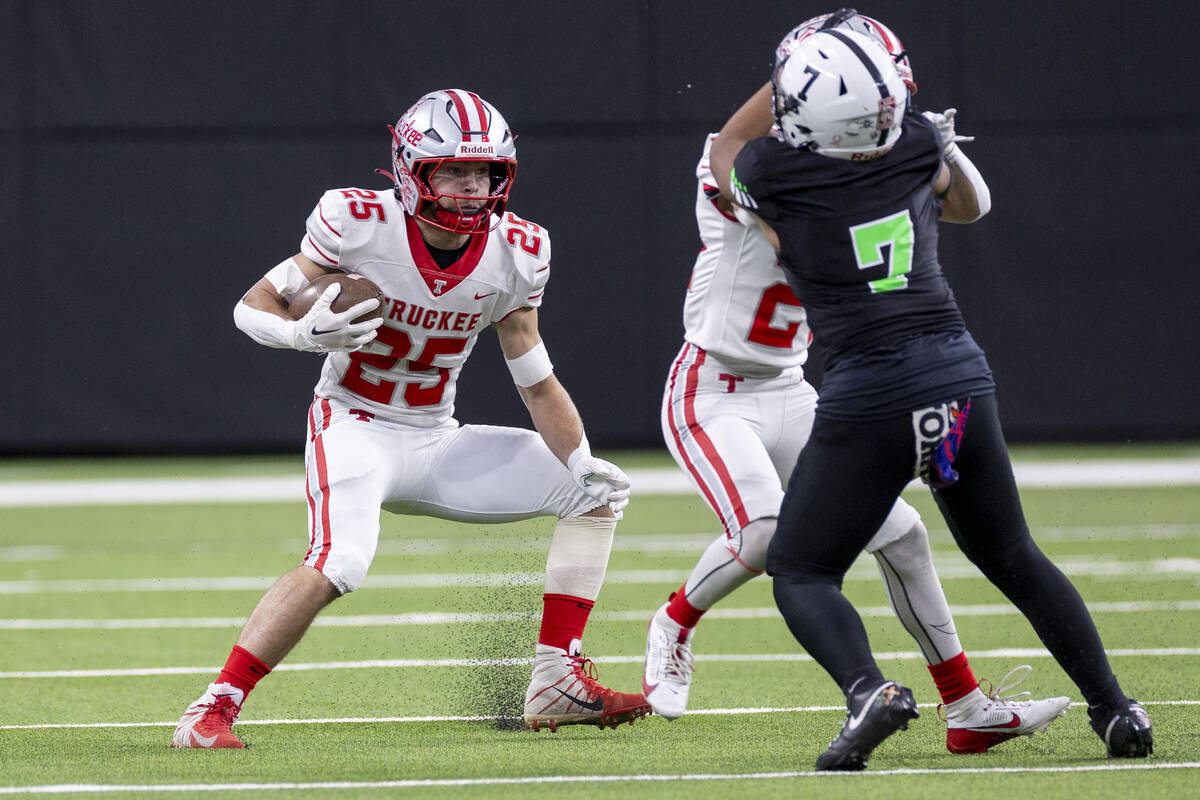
{"type": "Point", "coordinates": [736, 412]}
{"type": "Point", "coordinates": [450, 260]}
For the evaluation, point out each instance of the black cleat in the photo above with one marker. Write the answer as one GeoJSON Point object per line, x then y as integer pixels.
{"type": "Point", "coordinates": [1126, 732]}
{"type": "Point", "coordinates": [871, 716]}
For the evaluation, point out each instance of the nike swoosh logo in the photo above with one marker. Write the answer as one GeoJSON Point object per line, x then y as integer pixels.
{"type": "Point", "coordinates": [204, 741]}
{"type": "Point", "coordinates": [479, 296]}
{"type": "Point", "coordinates": [857, 719]}
{"type": "Point", "coordinates": [316, 332]}
{"type": "Point", "coordinates": [1015, 722]}
{"type": "Point", "coordinates": [595, 705]}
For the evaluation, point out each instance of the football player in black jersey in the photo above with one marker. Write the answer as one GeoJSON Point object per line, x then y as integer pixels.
{"type": "Point", "coordinates": [849, 191]}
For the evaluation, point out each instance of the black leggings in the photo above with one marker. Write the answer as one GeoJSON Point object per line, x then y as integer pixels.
{"type": "Point", "coordinates": [845, 482]}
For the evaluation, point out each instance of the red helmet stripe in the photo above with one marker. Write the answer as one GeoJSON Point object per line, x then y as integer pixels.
{"type": "Point", "coordinates": [464, 108]}
{"type": "Point", "coordinates": [464, 121]}
{"type": "Point", "coordinates": [883, 33]}
{"type": "Point", "coordinates": [483, 115]}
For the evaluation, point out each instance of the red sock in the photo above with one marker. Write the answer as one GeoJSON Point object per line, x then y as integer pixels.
{"type": "Point", "coordinates": [683, 612]}
{"type": "Point", "coordinates": [953, 678]}
{"type": "Point", "coordinates": [243, 669]}
{"type": "Point", "coordinates": [563, 619]}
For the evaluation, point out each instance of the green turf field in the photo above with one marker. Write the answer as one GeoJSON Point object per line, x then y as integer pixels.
{"type": "Point", "coordinates": [113, 617]}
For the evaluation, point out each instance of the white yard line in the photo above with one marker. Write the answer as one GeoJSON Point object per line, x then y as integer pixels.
{"type": "Point", "coordinates": [949, 567]}
{"type": "Point", "coordinates": [1033, 475]}
{"type": "Point", "coordinates": [448, 618]}
{"type": "Point", "coordinates": [421, 663]}
{"type": "Point", "coordinates": [695, 712]}
{"type": "Point", "coordinates": [417, 783]}
{"type": "Point", "coordinates": [695, 542]}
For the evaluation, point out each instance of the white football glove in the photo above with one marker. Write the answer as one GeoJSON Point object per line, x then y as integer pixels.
{"type": "Point", "coordinates": [600, 480]}
{"type": "Point", "coordinates": [322, 330]}
{"type": "Point", "coordinates": [944, 122]}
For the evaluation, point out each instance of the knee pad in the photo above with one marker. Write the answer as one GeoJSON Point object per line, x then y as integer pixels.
{"type": "Point", "coordinates": [912, 547]}
{"type": "Point", "coordinates": [346, 571]}
{"type": "Point", "coordinates": [750, 544]}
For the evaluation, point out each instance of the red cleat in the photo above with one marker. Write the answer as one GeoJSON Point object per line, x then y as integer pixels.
{"type": "Point", "coordinates": [207, 722]}
{"type": "Point", "coordinates": [564, 692]}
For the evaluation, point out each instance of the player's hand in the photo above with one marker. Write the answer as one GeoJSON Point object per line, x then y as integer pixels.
{"type": "Point", "coordinates": [602, 481]}
{"type": "Point", "coordinates": [322, 329]}
{"type": "Point", "coordinates": [944, 122]}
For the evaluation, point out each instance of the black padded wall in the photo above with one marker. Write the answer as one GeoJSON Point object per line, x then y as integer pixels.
{"type": "Point", "coordinates": [159, 157]}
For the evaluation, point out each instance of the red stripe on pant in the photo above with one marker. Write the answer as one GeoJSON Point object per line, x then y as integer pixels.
{"type": "Point", "coordinates": [706, 446]}
{"type": "Point", "coordinates": [322, 487]}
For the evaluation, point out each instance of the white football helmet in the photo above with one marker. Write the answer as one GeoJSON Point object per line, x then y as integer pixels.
{"type": "Point", "coordinates": [839, 94]}
{"type": "Point", "coordinates": [452, 125]}
{"type": "Point", "coordinates": [849, 19]}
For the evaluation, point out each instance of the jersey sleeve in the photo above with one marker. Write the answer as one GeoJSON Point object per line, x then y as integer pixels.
{"type": "Point", "coordinates": [324, 231]}
{"type": "Point", "coordinates": [749, 181]}
{"type": "Point", "coordinates": [529, 245]}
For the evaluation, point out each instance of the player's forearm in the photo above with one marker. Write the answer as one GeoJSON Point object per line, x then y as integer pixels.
{"type": "Point", "coordinates": [554, 416]}
{"type": "Point", "coordinates": [267, 327]}
{"type": "Point", "coordinates": [968, 198]}
{"type": "Point", "coordinates": [752, 120]}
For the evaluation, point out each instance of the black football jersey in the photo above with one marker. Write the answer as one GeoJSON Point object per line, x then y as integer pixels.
{"type": "Point", "coordinates": [858, 241]}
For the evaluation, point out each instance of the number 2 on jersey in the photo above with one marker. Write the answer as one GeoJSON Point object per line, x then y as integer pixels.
{"type": "Point", "coordinates": [399, 345]}
{"type": "Point", "coordinates": [869, 238]}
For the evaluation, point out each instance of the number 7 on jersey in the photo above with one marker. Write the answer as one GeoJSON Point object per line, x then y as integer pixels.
{"type": "Point", "coordinates": [869, 238]}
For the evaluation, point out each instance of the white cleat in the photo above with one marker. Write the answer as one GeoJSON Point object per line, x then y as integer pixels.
{"type": "Point", "coordinates": [982, 722]}
{"type": "Point", "coordinates": [668, 670]}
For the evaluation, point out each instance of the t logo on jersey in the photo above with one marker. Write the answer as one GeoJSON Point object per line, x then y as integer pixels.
{"type": "Point", "coordinates": [439, 285]}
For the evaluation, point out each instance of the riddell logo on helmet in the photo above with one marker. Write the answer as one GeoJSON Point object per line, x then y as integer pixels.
{"type": "Point", "coordinates": [465, 149]}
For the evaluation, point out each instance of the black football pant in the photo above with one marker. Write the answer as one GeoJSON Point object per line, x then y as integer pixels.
{"type": "Point", "coordinates": [845, 483]}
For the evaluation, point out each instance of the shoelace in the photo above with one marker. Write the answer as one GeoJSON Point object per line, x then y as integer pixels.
{"type": "Point", "coordinates": [996, 694]}
{"type": "Point", "coordinates": [681, 663]}
{"type": "Point", "coordinates": [225, 708]}
{"type": "Point", "coordinates": [585, 669]}
{"type": "Point", "coordinates": [1006, 685]}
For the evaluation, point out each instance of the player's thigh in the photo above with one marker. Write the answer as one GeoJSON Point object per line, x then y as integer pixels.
{"type": "Point", "coordinates": [346, 474]}
{"type": "Point", "coordinates": [720, 446]}
{"type": "Point", "coordinates": [789, 420]}
{"type": "Point", "coordinates": [844, 486]}
{"type": "Point", "coordinates": [485, 473]}
{"type": "Point", "coordinates": [983, 507]}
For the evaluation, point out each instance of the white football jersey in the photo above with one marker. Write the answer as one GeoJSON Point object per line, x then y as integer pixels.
{"type": "Point", "coordinates": [432, 316]}
{"type": "Point", "coordinates": [739, 306]}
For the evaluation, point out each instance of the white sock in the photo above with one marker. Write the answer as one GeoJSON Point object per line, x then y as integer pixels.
{"type": "Point", "coordinates": [578, 556]}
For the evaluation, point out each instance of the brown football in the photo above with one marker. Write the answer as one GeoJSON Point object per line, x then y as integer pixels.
{"type": "Point", "coordinates": [355, 289]}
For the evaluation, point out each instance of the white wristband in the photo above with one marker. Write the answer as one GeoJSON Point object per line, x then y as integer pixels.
{"type": "Point", "coordinates": [265, 327]}
{"type": "Point", "coordinates": [531, 367]}
{"type": "Point", "coordinates": [287, 278]}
